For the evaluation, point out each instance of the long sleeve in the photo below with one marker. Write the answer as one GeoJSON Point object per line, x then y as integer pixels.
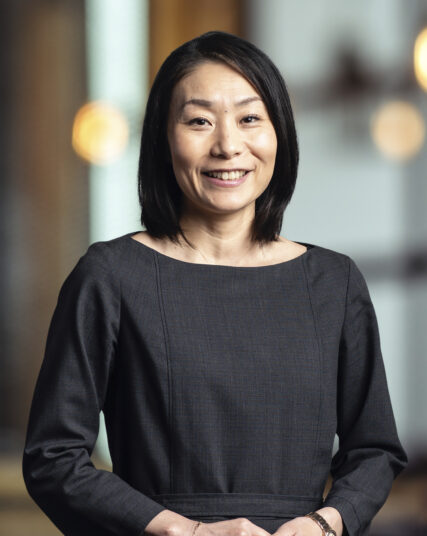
{"type": "Point", "coordinates": [370, 455]}
{"type": "Point", "coordinates": [70, 392]}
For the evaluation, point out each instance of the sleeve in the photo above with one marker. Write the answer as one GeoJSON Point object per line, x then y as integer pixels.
{"type": "Point", "coordinates": [370, 455]}
{"type": "Point", "coordinates": [64, 417]}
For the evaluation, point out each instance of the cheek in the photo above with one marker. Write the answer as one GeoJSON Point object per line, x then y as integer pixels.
{"type": "Point", "coordinates": [266, 146]}
{"type": "Point", "coordinates": [184, 153]}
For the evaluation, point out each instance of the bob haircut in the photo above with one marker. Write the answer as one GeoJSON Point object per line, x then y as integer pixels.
{"type": "Point", "coordinates": [158, 191]}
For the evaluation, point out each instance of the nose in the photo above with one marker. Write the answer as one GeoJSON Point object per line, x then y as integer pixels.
{"type": "Point", "coordinates": [227, 140]}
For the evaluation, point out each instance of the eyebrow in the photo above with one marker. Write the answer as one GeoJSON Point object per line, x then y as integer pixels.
{"type": "Point", "coordinates": [208, 104]}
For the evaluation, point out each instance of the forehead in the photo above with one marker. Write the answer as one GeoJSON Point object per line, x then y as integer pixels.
{"type": "Point", "coordinates": [213, 81]}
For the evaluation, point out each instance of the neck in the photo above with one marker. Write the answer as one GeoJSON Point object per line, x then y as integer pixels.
{"type": "Point", "coordinates": [221, 239]}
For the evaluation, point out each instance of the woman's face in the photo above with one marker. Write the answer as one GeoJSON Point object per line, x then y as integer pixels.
{"type": "Point", "coordinates": [219, 128]}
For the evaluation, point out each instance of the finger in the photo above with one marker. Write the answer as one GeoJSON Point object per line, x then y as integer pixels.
{"type": "Point", "coordinates": [299, 526]}
{"type": "Point", "coordinates": [246, 527]}
{"type": "Point", "coordinates": [259, 531]}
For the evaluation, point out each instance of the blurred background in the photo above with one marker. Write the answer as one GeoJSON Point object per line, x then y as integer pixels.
{"type": "Point", "coordinates": [74, 78]}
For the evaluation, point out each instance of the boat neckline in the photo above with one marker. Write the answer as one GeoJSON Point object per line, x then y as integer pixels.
{"type": "Point", "coordinates": [170, 259]}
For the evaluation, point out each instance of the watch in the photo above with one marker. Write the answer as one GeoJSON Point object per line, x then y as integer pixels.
{"type": "Point", "coordinates": [323, 524]}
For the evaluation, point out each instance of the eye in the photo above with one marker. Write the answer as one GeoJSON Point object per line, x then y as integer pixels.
{"type": "Point", "coordinates": [251, 119]}
{"type": "Point", "coordinates": [198, 121]}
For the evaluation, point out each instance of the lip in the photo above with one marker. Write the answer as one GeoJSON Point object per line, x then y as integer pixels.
{"type": "Point", "coordinates": [224, 170]}
{"type": "Point", "coordinates": [228, 183]}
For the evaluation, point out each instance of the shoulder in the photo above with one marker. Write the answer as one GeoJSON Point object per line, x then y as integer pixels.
{"type": "Point", "coordinates": [98, 266]}
{"type": "Point", "coordinates": [120, 265]}
{"type": "Point", "coordinates": [108, 251]}
{"type": "Point", "coordinates": [333, 270]}
{"type": "Point", "coordinates": [324, 258]}
{"type": "Point", "coordinates": [105, 256]}
{"type": "Point", "coordinates": [340, 270]}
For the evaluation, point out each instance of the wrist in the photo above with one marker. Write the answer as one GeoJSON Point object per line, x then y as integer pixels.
{"type": "Point", "coordinates": [169, 523]}
{"type": "Point", "coordinates": [195, 527]}
{"type": "Point", "coordinates": [183, 527]}
{"type": "Point", "coordinates": [333, 518]}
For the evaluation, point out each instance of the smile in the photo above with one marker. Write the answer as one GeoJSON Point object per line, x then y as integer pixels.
{"type": "Point", "coordinates": [226, 175]}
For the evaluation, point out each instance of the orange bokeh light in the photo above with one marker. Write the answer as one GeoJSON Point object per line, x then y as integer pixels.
{"type": "Point", "coordinates": [100, 133]}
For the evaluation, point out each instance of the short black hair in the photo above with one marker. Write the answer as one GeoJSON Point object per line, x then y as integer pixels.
{"type": "Point", "coordinates": [159, 194]}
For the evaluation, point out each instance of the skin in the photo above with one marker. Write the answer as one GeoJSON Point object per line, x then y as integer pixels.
{"type": "Point", "coordinates": [223, 135]}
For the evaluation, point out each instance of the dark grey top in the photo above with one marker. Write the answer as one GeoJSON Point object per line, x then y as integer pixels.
{"type": "Point", "coordinates": [222, 389]}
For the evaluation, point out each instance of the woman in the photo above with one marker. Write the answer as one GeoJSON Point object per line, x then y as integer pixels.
{"type": "Point", "coordinates": [224, 356]}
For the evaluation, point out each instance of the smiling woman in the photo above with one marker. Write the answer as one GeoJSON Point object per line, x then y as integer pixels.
{"type": "Point", "coordinates": [218, 104]}
{"type": "Point", "coordinates": [224, 356]}
{"type": "Point", "coordinates": [223, 147]}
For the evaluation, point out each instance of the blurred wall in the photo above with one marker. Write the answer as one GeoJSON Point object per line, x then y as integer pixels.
{"type": "Point", "coordinates": [44, 205]}
{"type": "Point", "coordinates": [172, 22]}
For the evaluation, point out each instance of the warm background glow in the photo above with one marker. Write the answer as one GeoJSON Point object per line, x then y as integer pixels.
{"type": "Point", "coordinates": [420, 59]}
{"type": "Point", "coordinates": [398, 130]}
{"type": "Point", "coordinates": [100, 133]}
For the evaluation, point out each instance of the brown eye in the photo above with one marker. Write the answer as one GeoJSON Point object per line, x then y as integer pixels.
{"type": "Point", "coordinates": [199, 121]}
{"type": "Point", "coordinates": [251, 119]}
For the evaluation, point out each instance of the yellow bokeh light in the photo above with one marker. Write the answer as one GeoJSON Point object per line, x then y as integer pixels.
{"type": "Point", "coordinates": [420, 59]}
{"type": "Point", "coordinates": [398, 130]}
{"type": "Point", "coordinates": [100, 133]}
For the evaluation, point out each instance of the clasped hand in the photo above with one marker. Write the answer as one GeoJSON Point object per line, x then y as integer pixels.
{"type": "Point", "coordinates": [241, 526]}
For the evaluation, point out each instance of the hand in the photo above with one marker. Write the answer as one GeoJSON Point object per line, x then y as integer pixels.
{"type": "Point", "coordinates": [299, 526]}
{"type": "Point", "coordinates": [169, 523]}
{"type": "Point", "coordinates": [240, 526]}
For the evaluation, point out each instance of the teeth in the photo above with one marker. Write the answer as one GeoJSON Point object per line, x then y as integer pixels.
{"type": "Point", "coordinates": [226, 175]}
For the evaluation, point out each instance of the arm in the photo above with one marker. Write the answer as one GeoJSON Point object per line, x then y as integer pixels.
{"type": "Point", "coordinates": [370, 455]}
{"type": "Point", "coordinates": [63, 426]}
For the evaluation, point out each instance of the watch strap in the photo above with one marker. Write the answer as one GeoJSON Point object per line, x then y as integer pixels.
{"type": "Point", "coordinates": [327, 530]}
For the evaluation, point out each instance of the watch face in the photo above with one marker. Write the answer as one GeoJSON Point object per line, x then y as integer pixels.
{"type": "Point", "coordinates": [331, 533]}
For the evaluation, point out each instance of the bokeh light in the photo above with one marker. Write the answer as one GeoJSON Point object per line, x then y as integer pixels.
{"type": "Point", "coordinates": [420, 59]}
{"type": "Point", "coordinates": [100, 133]}
{"type": "Point", "coordinates": [398, 130]}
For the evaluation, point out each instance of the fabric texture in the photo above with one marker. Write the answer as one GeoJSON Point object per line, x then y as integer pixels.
{"type": "Point", "coordinates": [222, 388]}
